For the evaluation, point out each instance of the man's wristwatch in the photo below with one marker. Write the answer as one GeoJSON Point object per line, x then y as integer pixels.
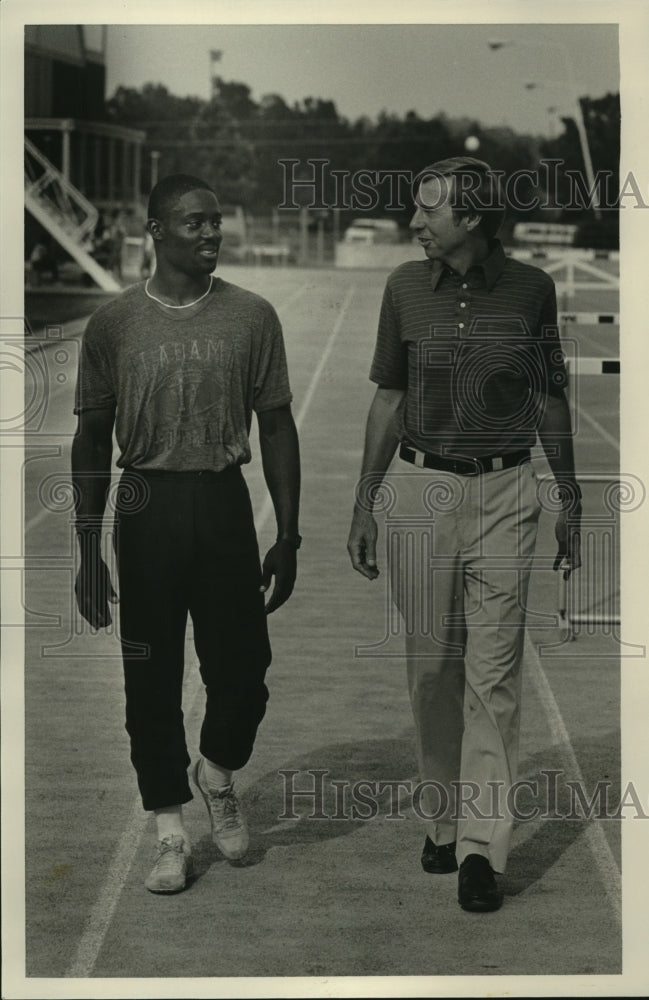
{"type": "Point", "coordinates": [294, 540]}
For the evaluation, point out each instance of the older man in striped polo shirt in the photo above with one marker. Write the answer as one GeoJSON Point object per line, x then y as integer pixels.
{"type": "Point", "coordinates": [469, 371]}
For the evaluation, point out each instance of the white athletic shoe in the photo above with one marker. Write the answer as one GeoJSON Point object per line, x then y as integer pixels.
{"type": "Point", "coordinates": [172, 867]}
{"type": "Point", "coordinates": [229, 828]}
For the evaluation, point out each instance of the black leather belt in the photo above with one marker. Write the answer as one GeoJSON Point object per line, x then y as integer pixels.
{"type": "Point", "coordinates": [463, 466]}
{"type": "Point", "coordinates": [179, 475]}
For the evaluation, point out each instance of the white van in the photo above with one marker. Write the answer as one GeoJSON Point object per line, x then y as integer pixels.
{"type": "Point", "coordinates": [552, 233]}
{"type": "Point", "coordinates": [372, 231]}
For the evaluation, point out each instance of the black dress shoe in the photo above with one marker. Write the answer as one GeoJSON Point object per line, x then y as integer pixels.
{"type": "Point", "coordinates": [477, 888]}
{"type": "Point", "coordinates": [438, 860]}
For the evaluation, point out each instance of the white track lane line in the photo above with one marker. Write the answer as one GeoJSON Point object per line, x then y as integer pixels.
{"type": "Point", "coordinates": [36, 519]}
{"type": "Point", "coordinates": [101, 913]}
{"type": "Point", "coordinates": [267, 506]}
{"type": "Point", "coordinates": [595, 424]}
{"type": "Point", "coordinates": [599, 845]}
{"type": "Point", "coordinates": [297, 293]}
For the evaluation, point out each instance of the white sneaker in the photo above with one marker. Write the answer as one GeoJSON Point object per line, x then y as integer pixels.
{"type": "Point", "coordinates": [172, 867]}
{"type": "Point", "coordinates": [229, 828]}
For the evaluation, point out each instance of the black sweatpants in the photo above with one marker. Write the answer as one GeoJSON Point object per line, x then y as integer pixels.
{"type": "Point", "coordinates": [186, 543]}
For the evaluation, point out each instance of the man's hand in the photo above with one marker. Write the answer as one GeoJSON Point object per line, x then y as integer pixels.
{"type": "Point", "coordinates": [280, 562]}
{"type": "Point", "coordinates": [94, 591]}
{"type": "Point", "coordinates": [361, 544]}
{"type": "Point", "coordinates": [567, 531]}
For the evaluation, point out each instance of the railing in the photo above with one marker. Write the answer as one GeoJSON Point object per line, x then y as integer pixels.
{"type": "Point", "coordinates": [578, 264]}
{"type": "Point", "coordinates": [64, 212]}
{"type": "Point", "coordinates": [57, 196]}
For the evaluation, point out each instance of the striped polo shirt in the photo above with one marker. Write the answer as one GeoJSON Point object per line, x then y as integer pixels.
{"type": "Point", "coordinates": [473, 352]}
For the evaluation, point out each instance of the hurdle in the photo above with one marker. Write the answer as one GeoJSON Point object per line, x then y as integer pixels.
{"type": "Point", "coordinates": [579, 266]}
{"type": "Point", "coordinates": [575, 254]}
{"type": "Point", "coordinates": [571, 620]}
{"type": "Point", "coordinates": [576, 262]}
{"type": "Point", "coordinates": [588, 319]}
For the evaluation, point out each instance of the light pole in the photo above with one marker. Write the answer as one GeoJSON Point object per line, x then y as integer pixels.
{"type": "Point", "coordinates": [215, 57]}
{"type": "Point", "coordinates": [499, 43]}
{"type": "Point", "coordinates": [155, 157]}
{"type": "Point", "coordinates": [553, 110]}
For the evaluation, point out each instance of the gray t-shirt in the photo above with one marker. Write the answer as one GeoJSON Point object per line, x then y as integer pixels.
{"type": "Point", "coordinates": [184, 381]}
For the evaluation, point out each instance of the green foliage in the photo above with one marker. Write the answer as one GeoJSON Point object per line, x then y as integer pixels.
{"type": "Point", "coordinates": [237, 143]}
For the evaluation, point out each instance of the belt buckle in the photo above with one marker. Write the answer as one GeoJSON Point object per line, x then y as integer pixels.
{"type": "Point", "coordinates": [497, 464]}
{"type": "Point", "coordinates": [420, 457]}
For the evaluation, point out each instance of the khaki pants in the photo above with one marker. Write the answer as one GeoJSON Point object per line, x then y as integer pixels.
{"type": "Point", "coordinates": [460, 553]}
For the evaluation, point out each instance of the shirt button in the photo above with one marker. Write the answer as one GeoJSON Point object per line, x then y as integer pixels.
{"type": "Point", "coordinates": [461, 326]}
{"type": "Point", "coordinates": [462, 305]}
{"type": "Point", "coordinates": [465, 285]}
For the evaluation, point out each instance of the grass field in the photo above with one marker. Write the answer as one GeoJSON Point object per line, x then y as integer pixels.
{"type": "Point", "coordinates": [318, 897]}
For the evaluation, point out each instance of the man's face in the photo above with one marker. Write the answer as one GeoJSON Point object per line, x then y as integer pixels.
{"type": "Point", "coordinates": [437, 229]}
{"type": "Point", "coordinates": [189, 237]}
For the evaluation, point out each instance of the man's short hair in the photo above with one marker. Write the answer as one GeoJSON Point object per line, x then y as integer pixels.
{"type": "Point", "coordinates": [167, 192]}
{"type": "Point", "coordinates": [476, 188]}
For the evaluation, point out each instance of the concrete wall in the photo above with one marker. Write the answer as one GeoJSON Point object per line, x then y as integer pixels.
{"type": "Point", "coordinates": [380, 256]}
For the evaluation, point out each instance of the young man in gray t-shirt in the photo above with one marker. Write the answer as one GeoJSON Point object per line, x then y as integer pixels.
{"type": "Point", "coordinates": [175, 367]}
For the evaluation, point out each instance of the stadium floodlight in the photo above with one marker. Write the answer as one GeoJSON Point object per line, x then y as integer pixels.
{"type": "Point", "coordinates": [575, 105]}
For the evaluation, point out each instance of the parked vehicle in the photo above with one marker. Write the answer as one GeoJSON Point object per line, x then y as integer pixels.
{"type": "Point", "coordinates": [372, 231]}
{"type": "Point", "coordinates": [541, 233]}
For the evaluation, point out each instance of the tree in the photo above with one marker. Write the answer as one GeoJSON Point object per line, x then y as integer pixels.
{"type": "Point", "coordinates": [239, 145]}
{"type": "Point", "coordinates": [192, 135]}
{"type": "Point", "coordinates": [602, 124]}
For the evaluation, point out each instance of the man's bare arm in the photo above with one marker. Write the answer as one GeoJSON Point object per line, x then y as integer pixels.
{"type": "Point", "coordinates": [555, 434]}
{"type": "Point", "coordinates": [280, 455]}
{"type": "Point", "coordinates": [92, 449]}
{"type": "Point", "coordinates": [381, 441]}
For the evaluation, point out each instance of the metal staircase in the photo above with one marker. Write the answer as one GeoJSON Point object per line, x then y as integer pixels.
{"type": "Point", "coordinates": [61, 209]}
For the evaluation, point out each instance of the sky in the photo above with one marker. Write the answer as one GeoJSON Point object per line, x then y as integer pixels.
{"type": "Point", "coordinates": [366, 68]}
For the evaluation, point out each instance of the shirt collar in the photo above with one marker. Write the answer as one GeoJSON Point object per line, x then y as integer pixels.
{"type": "Point", "coordinates": [492, 267]}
